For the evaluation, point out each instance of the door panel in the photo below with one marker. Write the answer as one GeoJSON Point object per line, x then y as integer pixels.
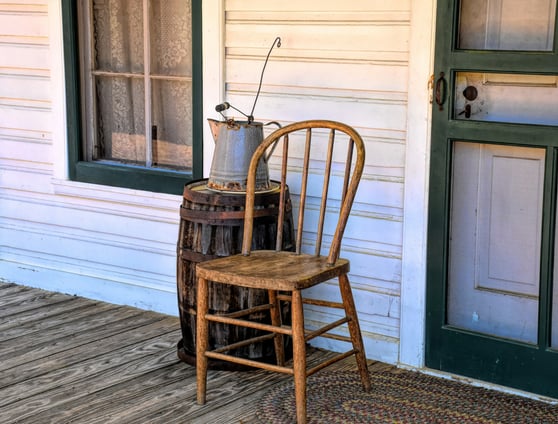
{"type": "Point", "coordinates": [494, 246]}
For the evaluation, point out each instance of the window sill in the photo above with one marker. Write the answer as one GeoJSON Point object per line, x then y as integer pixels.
{"type": "Point", "coordinates": [137, 178]}
{"type": "Point", "coordinates": [119, 195]}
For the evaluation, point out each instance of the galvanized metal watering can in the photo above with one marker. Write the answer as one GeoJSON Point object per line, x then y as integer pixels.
{"type": "Point", "coordinates": [235, 143]}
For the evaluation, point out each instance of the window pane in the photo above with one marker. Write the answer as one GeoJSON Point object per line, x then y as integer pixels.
{"type": "Point", "coordinates": [118, 35]}
{"type": "Point", "coordinates": [141, 70]}
{"type": "Point", "coordinates": [171, 38]}
{"type": "Point", "coordinates": [515, 98]}
{"type": "Point", "coordinates": [507, 25]}
{"type": "Point", "coordinates": [172, 124]}
{"type": "Point", "coordinates": [120, 120]}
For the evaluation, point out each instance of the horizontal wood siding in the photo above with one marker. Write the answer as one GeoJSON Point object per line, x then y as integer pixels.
{"type": "Point", "coordinates": [345, 61]}
{"type": "Point", "coordinates": [24, 84]}
{"type": "Point", "coordinates": [102, 242]}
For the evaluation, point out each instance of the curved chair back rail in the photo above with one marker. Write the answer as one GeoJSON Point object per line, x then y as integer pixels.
{"type": "Point", "coordinates": [350, 182]}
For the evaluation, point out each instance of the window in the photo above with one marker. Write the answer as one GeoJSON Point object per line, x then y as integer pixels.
{"type": "Point", "coordinates": [133, 72]}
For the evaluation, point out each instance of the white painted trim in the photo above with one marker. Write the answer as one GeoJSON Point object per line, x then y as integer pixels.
{"type": "Point", "coordinates": [74, 282]}
{"type": "Point", "coordinates": [152, 201]}
{"type": "Point", "coordinates": [415, 212]}
{"type": "Point", "coordinates": [57, 77]}
{"type": "Point", "coordinates": [213, 36]}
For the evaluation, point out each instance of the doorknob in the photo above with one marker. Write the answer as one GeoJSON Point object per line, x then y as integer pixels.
{"type": "Point", "coordinates": [470, 93]}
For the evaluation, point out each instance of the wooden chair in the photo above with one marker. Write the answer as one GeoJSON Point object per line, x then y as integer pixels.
{"type": "Point", "coordinates": [286, 274]}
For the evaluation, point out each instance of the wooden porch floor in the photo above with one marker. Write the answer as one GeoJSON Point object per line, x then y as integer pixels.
{"type": "Point", "coordinates": [68, 359]}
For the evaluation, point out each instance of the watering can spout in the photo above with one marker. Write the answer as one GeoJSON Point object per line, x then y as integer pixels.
{"type": "Point", "coordinates": [216, 127]}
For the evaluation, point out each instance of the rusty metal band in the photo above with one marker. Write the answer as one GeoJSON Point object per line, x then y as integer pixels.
{"type": "Point", "coordinates": [223, 217]}
{"type": "Point", "coordinates": [190, 255]}
{"type": "Point", "coordinates": [192, 194]}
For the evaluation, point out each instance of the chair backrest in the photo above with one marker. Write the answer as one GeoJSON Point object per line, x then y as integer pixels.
{"type": "Point", "coordinates": [332, 149]}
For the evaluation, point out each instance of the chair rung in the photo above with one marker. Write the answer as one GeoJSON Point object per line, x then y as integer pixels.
{"type": "Point", "coordinates": [243, 343]}
{"type": "Point", "coordinates": [317, 302]}
{"type": "Point", "coordinates": [330, 361]}
{"type": "Point", "coordinates": [284, 329]}
{"type": "Point", "coordinates": [248, 311]}
{"type": "Point", "coordinates": [271, 367]}
{"type": "Point", "coordinates": [250, 324]}
{"type": "Point", "coordinates": [312, 334]}
{"type": "Point", "coordinates": [337, 337]}
{"type": "Point", "coordinates": [249, 362]}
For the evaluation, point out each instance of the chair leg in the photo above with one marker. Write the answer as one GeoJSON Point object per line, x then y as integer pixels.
{"type": "Point", "coordinates": [202, 342]}
{"type": "Point", "coordinates": [299, 356]}
{"type": "Point", "coordinates": [354, 330]}
{"type": "Point", "coordinates": [276, 321]}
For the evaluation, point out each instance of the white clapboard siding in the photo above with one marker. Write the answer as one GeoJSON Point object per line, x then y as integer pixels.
{"type": "Point", "coordinates": [345, 61]}
{"type": "Point", "coordinates": [25, 106]}
{"type": "Point", "coordinates": [106, 243]}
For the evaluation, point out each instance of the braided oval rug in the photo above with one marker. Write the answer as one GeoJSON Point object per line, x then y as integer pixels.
{"type": "Point", "coordinates": [404, 397]}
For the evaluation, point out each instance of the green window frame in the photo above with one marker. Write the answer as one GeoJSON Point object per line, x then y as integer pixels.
{"type": "Point", "coordinates": [118, 175]}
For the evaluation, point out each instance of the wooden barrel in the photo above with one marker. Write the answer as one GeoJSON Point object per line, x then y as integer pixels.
{"type": "Point", "coordinates": [211, 226]}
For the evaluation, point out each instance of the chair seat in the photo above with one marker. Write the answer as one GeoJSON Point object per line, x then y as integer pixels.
{"type": "Point", "coordinates": [268, 269]}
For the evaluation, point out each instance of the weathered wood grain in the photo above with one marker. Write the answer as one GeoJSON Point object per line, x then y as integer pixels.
{"type": "Point", "coordinates": [46, 327]}
{"type": "Point", "coordinates": [92, 350]}
{"type": "Point", "coordinates": [90, 362]}
{"type": "Point", "coordinates": [7, 289]}
{"type": "Point", "coordinates": [79, 333]}
{"type": "Point", "coordinates": [28, 299]}
{"type": "Point", "coordinates": [42, 313]}
{"type": "Point", "coordinates": [90, 387]}
{"type": "Point", "coordinates": [47, 378]}
{"type": "Point", "coordinates": [17, 294]}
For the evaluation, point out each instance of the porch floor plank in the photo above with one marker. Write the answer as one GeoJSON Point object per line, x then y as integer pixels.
{"type": "Point", "coordinates": [92, 370]}
{"type": "Point", "coordinates": [76, 333]}
{"type": "Point", "coordinates": [8, 289]}
{"type": "Point", "coordinates": [47, 328]}
{"type": "Point", "coordinates": [68, 359]}
{"type": "Point", "coordinates": [89, 351]}
{"type": "Point", "coordinates": [28, 300]}
{"type": "Point", "coordinates": [28, 318]}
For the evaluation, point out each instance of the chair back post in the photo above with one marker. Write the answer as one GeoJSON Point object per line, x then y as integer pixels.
{"type": "Point", "coordinates": [325, 191]}
{"type": "Point", "coordinates": [303, 191]}
{"type": "Point", "coordinates": [349, 193]}
{"type": "Point", "coordinates": [251, 192]}
{"type": "Point", "coordinates": [283, 192]}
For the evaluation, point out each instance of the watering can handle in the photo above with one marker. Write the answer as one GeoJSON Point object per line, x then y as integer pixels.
{"type": "Point", "coordinates": [266, 158]}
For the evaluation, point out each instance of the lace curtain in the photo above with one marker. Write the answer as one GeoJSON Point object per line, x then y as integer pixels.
{"type": "Point", "coordinates": [122, 47]}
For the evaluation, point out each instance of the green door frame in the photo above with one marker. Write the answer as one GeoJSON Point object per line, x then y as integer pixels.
{"type": "Point", "coordinates": [510, 363]}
